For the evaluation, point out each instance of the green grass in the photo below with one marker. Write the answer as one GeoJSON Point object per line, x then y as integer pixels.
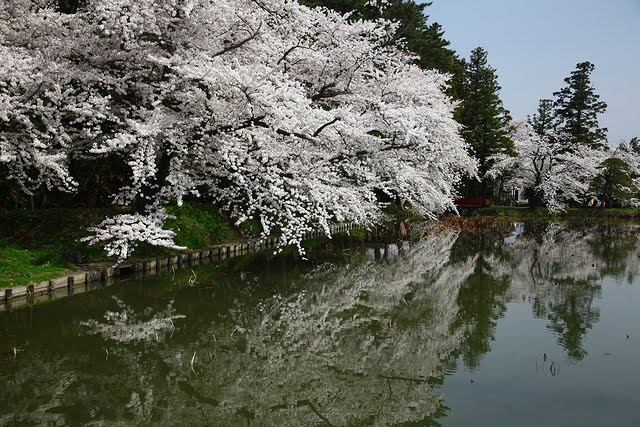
{"type": "Point", "coordinates": [615, 213]}
{"type": "Point", "coordinates": [358, 233]}
{"type": "Point", "coordinates": [24, 266]}
{"type": "Point", "coordinates": [43, 244]}
{"type": "Point", "coordinates": [54, 231]}
{"type": "Point", "coordinates": [569, 214]}
{"type": "Point", "coordinates": [199, 225]}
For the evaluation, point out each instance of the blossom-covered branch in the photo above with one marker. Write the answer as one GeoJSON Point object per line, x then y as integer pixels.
{"type": "Point", "coordinates": [292, 116]}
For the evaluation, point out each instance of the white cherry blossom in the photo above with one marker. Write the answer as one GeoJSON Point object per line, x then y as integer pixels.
{"type": "Point", "coordinates": [292, 116]}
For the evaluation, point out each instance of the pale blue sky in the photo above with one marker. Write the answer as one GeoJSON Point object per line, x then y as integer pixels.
{"type": "Point", "coordinates": [536, 44]}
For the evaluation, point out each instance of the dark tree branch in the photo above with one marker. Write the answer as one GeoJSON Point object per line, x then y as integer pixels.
{"type": "Point", "coordinates": [34, 93]}
{"type": "Point", "coordinates": [259, 121]}
{"type": "Point", "coordinates": [321, 128]}
{"type": "Point", "coordinates": [397, 147]}
{"type": "Point", "coordinates": [285, 132]}
{"type": "Point", "coordinates": [326, 92]}
{"type": "Point", "coordinates": [291, 49]}
{"type": "Point", "coordinates": [240, 43]}
{"type": "Point", "coordinates": [266, 9]}
{"type": "Point", "coordinates": [284, 56]}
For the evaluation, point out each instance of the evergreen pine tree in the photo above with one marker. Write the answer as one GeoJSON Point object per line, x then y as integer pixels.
{"type": "Point", "coordinates": [484, 118]}
{"type": "Point", "coordinates": [544, 122]}
{"type": "Point", "coordinates": [577, 107]}
{"type": "Point", "coordinates": [614, 182]}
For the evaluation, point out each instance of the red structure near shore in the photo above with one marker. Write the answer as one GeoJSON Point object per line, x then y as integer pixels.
{"type": "Point", "coordinates": [473, 202]}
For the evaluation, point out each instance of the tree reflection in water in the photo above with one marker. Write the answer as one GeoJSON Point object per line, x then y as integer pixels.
{"type": "Point", "coordinates": [364, 341]}
{"type": "Point", "coordinates": [558, 269]}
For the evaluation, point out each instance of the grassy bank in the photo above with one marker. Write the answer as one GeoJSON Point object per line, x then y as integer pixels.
{"type": "Point", "coordinates": [569, 214]}
{"type": "Point", "coordinates": [22, 266]}
{"type": "Point", "coordinates": [44, 244]}
{"type": "Point", "coordinates": [497, 217]}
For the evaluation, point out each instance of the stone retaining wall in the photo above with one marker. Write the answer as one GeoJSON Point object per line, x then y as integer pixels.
{"type": "Point", "coordinates": [95, 275]}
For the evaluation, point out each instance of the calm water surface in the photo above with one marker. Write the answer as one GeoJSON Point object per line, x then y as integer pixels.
{"type": "Point", "coordinates": [523, 325]}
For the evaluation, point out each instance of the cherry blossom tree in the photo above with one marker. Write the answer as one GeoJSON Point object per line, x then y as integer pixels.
{"type": "Point", "coordinates": [627, 154]}
{"type": "Point", "coordinates": [630, 153]}
{"type": "Point", "coordinates": [277, 112]}
{"type": "Point", "coordinates": [552, 173]}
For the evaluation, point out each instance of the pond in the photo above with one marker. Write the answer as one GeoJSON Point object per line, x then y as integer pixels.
{"type": "Point", "coordinates": [519, 324]}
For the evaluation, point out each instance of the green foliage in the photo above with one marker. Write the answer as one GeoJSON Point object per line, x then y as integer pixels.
{"type": "Point", "coordinates": [395, 210]}
{"type": "Point", "coordinates": [41, 244]}
{"type": "Point", "coordinates": [199, 225]}
{"type": "Point", "coordinates": [544, 121]}
{"type": "Point", "coordinates": [250, 227]}
{"type": "Point", "coordinates": [577, 107]}
{"type": "Point", "coordinates": [54, 231]}
{"type": "Point", "coordinates": [543, 214]}
{"type": "Point", "coordinates": [484, 118]}
{"type": "Point", "coordinates": [359, 234]}
{"type": "Point", "coordinates": [614, 182]}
